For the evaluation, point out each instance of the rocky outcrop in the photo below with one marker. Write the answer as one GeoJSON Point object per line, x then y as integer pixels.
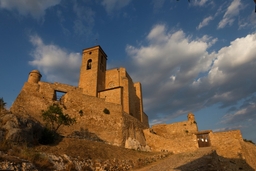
{"type": "Point", "coordinates": [65, 162]}
{"type": "Point", "coordinates": [134, 144]}
{"type": "Point", "coordinates": [19, 129]}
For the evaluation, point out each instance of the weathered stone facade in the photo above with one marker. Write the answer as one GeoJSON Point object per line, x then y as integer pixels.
{"type": "Point", "coordinates": [98, 90]}
{"type": "Point", "coordinates": [176, 137]}
{"type": "Point", "coordinates": [125, 124]}
{"type": "Point", "coordinates": [115, 85]}
{"type": "Point", "coordinates": [185, 137]}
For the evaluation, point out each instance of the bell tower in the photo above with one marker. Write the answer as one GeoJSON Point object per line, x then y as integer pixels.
{"type": "Point", "coordinates": [93, 70]}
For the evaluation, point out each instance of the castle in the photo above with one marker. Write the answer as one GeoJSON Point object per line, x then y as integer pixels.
{"type": "Point", "coordinates": [125, 123]}
{"type": "Point", "coordinates": [98, 89]}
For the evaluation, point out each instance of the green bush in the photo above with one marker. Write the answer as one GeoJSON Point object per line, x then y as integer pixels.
{"type": "Point", "coordinates": [55, 118]}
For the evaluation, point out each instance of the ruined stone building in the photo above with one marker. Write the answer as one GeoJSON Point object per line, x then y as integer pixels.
{"type": "Point", "coordinates": [125, 123]}
{"type": "Point", "coordinates": [98, 90]}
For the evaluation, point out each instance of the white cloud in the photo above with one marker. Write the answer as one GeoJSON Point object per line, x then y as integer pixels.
{"type": "Point", "coordinates": [199, 2]}
{"type": "Point", "coordinates": [84, 21]}
{"type": "Point", "coordinates": [54, 62]}
{"type": "Point", "coordinates": [111, 5]}
{"type": "Point", "coordinates": [205, 22]}
{"type": "Point", "coordinates": [35, 8]}
{"type": "Point", "coordinates": [230, 14]}
{"type": "Point", "coordinates": [167, 55]}
{"type": "Point", "coordinates": [177, 72]}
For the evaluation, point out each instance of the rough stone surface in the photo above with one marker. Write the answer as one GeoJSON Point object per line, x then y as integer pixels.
{"type": "Point", "coordinates": [19, 129]}
{"type": "Point", "coordinates": [65, 162]}
{"type": "Point", "coordinates": [203, 159]}
{"type": "Point", "coordinates": [131, 143]}
{"type": "Point", "coordinates": [177, 145]}
{"type": "Point", "coordinates": [22, 166]}
{"type": "Point", "coordinates": [98, 90]}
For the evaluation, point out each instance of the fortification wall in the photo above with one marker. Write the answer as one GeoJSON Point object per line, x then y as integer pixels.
{"type": "Point", "coordinates": [113, 128]}
{"type": "Point", "coordinates": [175, 145]}
{"type": "Point", "coordinates": [249, 153]}
{"type": "Point", "coordinates": [89, 113]}
{"type": "Point", "coordinates": [30, 101]}
{"type": "Point", "coordinates": [227, 144]}
{"type": "Point", "coordinates": [174, 130]}
{"type": "Point", "coordinates": [133, 130]}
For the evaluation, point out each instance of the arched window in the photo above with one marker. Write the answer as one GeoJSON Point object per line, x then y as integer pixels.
{"type": "Point", "coordinates": [89, 64]}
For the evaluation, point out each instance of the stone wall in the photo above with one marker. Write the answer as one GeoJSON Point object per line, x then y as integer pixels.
{"type": "Point", "coordinates": [249, 153]}
{"type": "Point", "coordinates": [112, 78]}
{"type": "Point", "coordinates": [31, 101]}
{"type": "Point", "coordinates": [113, 95]}
{"type": "Point", "coordinates": [227, 144]}
{"type": "Point", "coordinates": [175, 145]}
{"type": "Point", "coordinates": [174, 130]}
{"type": "Point", "coordinates": [131, 95]}
{"type": "Point", "coordinates": [145, 119]}
{"type": "Point", "coordinates": [114, 128]}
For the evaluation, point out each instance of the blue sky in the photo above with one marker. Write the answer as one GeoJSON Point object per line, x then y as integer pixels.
{"type": "Point", "coordinates": [195, 57]}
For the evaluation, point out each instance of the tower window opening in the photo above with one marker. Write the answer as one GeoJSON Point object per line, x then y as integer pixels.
{"type": "Point", "coordinates": [89, 64]}
{"type": "Point", "coordinates": [101, 60]}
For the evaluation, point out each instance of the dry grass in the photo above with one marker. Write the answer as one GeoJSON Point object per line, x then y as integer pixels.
{"type": "Point", "coordinates": [77, 148]}
{"type": "Point", "coordinates": [17, 153]}
{"type": "Point", "coordinates": [85, 149]}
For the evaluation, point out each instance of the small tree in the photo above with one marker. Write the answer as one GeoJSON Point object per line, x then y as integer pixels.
{"type": "Point", "coordinates": [2, 104]}
{"type": "Point", "coordinates": [54, 118]}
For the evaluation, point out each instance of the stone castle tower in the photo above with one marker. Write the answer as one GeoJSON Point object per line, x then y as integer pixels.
{"type": "Point", "coordinates": [34, 76]}
{"type": "Point", "coordinates": [93, 71]}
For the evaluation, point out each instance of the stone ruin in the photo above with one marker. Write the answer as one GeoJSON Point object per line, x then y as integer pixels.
{"type": "Point", "coordinates": [125, 124]}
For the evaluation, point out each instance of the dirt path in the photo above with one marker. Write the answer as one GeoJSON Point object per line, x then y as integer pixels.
{"type": "Point", "coordinates": [199, 160]}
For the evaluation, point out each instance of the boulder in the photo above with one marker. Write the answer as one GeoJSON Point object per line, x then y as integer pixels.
{"type": "Point", "coordinates": [19, 129]}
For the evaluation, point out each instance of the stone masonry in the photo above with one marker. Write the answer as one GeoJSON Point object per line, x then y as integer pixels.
{"type": "Point", "coordinates": [98, 90]}
{"type": "Point", "coordinates": [125, 124]}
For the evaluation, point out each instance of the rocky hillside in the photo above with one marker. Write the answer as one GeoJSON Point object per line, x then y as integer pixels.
{"type": "Point", "coordinates": [82, 150]}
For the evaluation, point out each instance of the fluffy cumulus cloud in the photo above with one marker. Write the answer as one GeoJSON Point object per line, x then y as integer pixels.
{"type": "Point", "coordinates": [35, 8]}
{"type": "Point", "coordinates": [230, 14]}
{"type": "Point", "coordinates": [57, 64]}
{"type": "Point", "coordinates": [180, 75]}
{"type": "Point", "coordinates": [111, 5]}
